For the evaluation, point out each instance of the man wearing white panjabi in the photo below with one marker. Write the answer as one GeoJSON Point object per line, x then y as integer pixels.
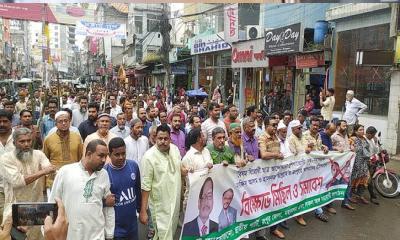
{"type": "Point", "coordinates": [82, 187]}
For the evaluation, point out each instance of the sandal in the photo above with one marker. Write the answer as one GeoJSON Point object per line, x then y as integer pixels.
{"type": "Point", "coordinates": [322, 217]}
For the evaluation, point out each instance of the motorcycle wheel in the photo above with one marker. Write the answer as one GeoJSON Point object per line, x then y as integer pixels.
{"type": "Point", "coordinates": [387, 187]}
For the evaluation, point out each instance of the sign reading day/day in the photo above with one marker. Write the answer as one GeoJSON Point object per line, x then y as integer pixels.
{"type": "Point", "coordinates": [93, 29]}
{"type": "Point", "coordinates": [208, 43]}
{"type": "Point", "coordinates": [284, 40]}
{"type": "Point", "coordinates": [263, 193]}
{"type": "Point", "coordinates": [249, 54]}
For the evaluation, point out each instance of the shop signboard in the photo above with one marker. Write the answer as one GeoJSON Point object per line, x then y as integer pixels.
{"type": "Point", "coordinates": [284, 40]}
{"type": "Point", "coordinates": [207, 44]}
{"type": "Point", "coordinates": [94, 29]}
{"type": "Point", "coordinates": [310, 60]}
{"type": "Point", "coordinates": [231, 22]}
{"type": "Point", "coordinates": [249, 54]}
{"type": "Point", "coordinates": [179, 69]}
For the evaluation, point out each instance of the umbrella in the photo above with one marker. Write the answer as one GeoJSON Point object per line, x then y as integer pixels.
{"type": "Point", "coordinates": [196, 93]}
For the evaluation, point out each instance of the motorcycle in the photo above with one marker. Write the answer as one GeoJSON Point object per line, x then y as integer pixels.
{"type": "Point", "coordinates": [385, 180]}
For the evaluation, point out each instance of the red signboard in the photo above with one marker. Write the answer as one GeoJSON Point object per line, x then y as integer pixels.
{"type": "Point", "coordinates": [310, 60]}
{"type": "Point", "coordinates": [66, 13]}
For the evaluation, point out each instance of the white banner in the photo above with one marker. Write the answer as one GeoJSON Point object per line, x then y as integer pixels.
{"type": "Point", "coordinates": [231, 22]}
{"type": "Point", "coordinates": [93, 29]}
{"type": "Point", "coordinates": [229, 203]}
{"type": "Point", "coordinates": [208, 43]}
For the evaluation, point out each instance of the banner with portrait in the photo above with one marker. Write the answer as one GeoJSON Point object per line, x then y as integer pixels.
{"type": "Point", "coordinates": [230, 202]}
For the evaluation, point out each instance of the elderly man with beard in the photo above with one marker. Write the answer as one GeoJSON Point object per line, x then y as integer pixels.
{"type": "Point", "coordinates": [121, 130]}
{"type": "Point", "coordinates": [80, 115]}
{"type": "Point", "coordinates": [63, 146]}
{"type": "Point", "coordinates": [103, 131]}
{"type": "Point", "coordinates": [89, 126]}
{"type": "Point", "coordinates": [26, 119]}
{"type": "Point", "coordinates": [161, 185]}
{"type": "Point", "coordinates": [221, 152]}
{"type": "Point", "coordinates": [136, 143]}
{"type": "Point", "coordinates": [202, 225]}
{"type": "Point", "coordinates": [22, 170]}
{"type": "Point", "coordinates": [82, 186]}
{"type": "Point", "coordinates": [6, 145]}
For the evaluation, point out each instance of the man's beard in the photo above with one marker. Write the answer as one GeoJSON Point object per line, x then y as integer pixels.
{"type": "Point", "coordinates": [24, 155]}
{"type": "Point", "coordinates": [83, 110]}
{"type": "Point", "coordinates": [236, 140]}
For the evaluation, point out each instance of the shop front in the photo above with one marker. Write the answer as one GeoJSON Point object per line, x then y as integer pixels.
{"type": "Point", "coordinates": [212, 63]}
{"type": "Point", "coordinates": [313, 72]}
{"type": "Point", "coordinates": [281, 46]}
{"type": "Point", "coordinates": [249, 58]}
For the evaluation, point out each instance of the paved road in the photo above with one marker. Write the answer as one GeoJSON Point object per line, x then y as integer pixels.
{"type": "Point", "coordinates": [367, 222]}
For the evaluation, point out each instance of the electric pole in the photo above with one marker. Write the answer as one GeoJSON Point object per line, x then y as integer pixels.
{"type": "Point", "coordinates": [165, 29]}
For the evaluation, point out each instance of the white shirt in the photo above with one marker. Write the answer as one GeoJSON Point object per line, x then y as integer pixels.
{"type": "Point", "coordinates": [82, 195]}
{"type": "Point", "coordinates": [353, 110]}
{"type": "Point", "coordinates": [135, 149]}
{"type": "Point", "coordinates": [3, 149]}
{"type": "Point", "coordinates": [78, 117]}
{"type": "Point", "coordinates": [122, 133]}
{"type": "Point", "coordinates": [285, 150]}
{"type": "Point", "coordinates": [195, 160]}
{"type": "Point", "coordinates": [208, 126]}
{"type": "Point", "coordinates": [327, 108]}
{"type": "Point", "coordinates": [114, 111]}
{"type": "Point", "coordinates": [207, 224]}
{"type": "Point", "coordinates": [289, 128]}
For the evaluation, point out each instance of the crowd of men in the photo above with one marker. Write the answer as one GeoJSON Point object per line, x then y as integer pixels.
{"type": "Point", "coordinates": [115, 159]}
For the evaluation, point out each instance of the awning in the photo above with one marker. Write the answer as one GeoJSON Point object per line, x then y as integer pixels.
{"type": "Point", "coordinates": [140, 67]}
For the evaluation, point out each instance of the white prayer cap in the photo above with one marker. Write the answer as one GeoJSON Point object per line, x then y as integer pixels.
{"type": "Point", "coordinates": [281, 125]}
{"type": "Point", "coordinates": [295, 123]}
{"type": "Point", "coordinates": [350, 92]}
{"type": "Point", "coordinates": [60, 113]}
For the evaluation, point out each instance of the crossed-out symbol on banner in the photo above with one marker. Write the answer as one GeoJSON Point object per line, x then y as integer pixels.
{"type": "Point", "coordinates": [339, 172]}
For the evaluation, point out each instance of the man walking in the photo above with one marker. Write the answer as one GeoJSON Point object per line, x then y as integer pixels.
{"type": "Point", "coordinates": [136, 143]}
{"type": "Point", "coordinates": [177, 135]}
{"type": "Point", "coordinates": [62, 147]}
{"type": "Point", "coordinates": [327, 104]}
{"type": "Point", "coordinates": [103, 131]}
{"type": "Point", "coordinates": [6, 145]}
{"type": "Point", "coordinates": [161, 185]}
{"type": "Point", "coordinates": [48, 121]}
{"type": "Point", "coordinates": [22, 170]}
{"type": "Point", "coordinates": [121, 130]}
{"type": "Point", "coordinates": [124, 178]}
{"type": "Point", "coordinates": [26, 121]}
{"type": "Point", "coordinates": [82, 186]}
{"type": "Point", "coordinates": [80, 115]}
{"type": "Point", "coordinates": [89, 126]}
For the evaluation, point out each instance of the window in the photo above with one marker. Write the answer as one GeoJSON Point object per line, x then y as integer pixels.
{"type": "Point", "coordinates": [371, 84]}
{"type": "Point", "coordinates": [153, 23]}
{"type": "Point", "coordinates": [139, 52]}
{"type": "Point", "coordinates": [138, 24]}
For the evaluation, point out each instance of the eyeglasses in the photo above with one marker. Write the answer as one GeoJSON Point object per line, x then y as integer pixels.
{"type": "Point", "coordinates": [274, 125]}
{"type": "Point", "coordinates": [207, 197]}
